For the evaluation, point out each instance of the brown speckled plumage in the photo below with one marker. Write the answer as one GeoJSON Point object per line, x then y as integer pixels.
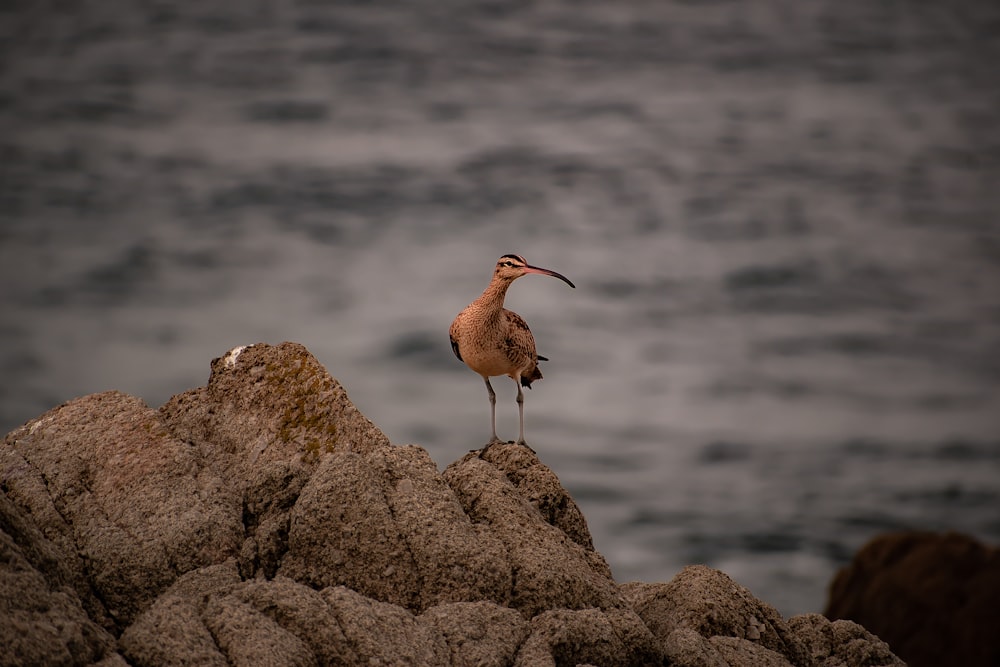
{"type": "Point", "coordinates": [492, 340]}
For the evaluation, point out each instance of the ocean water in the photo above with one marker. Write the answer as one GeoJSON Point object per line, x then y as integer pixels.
{"type": "Point", "coordinates": [782, 218]}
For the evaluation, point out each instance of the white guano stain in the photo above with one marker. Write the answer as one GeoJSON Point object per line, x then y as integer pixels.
{"type": "Point", "coordinates": [233, 354]}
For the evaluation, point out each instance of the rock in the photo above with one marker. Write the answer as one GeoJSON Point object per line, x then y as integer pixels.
{"type": "Point", "coordinates": [540, 487]}
{"type": "Point", "coordinates": [262, 519]}
{"type": "Point", "coordinates": [44, 622]}
{"type": "Point", "coordinates": [480, 634]}
{"type": "Point", "coordinates": [841, 643]}
{"type": "Point", "coordinates": [686, 647]}
{"type": "Point", "coordinates": [705, 619]}
{"type": "Point", "coordinates": [384, 633]}
{"type": "Point", "coordinates": [173, 630]}
{"type": "Point", "coordinates": [713, 605]}
{"type": "Point", "coordinates": [553, 571]}
{"type": "Point", "coordinates": [588, 636]}
{"type": "Point", "coordinates": [932, 597]}
{"type": "Point", "coordinates": [269, 404]}
{"type": "Point", "coordinates": [385, 524]}
{"type": "Point", "coordinates": [107, 482]}
{"type": "Point", "coordinates": [304, 613]}
{"type": "Point", "coordinates": [210, 616]}
{"type": "Point", "coordinates": [737, 652]}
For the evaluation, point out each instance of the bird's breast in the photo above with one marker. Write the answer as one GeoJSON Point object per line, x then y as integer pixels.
{"type": "Point", "coordinates": [499, 344]}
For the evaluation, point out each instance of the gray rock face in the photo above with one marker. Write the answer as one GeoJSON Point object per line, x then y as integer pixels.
{"type": "Point", "coordinates": [262, 519]}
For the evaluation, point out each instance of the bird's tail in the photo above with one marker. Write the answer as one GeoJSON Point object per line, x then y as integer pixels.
{"type": "Point", "coordinates": [534, 374]}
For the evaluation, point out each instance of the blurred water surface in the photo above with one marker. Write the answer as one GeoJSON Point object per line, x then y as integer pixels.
{"type": "Point", "coordinates": [782, 219]}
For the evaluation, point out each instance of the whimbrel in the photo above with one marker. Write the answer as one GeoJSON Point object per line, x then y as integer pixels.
{"type": "Point", "coordinates": [492, 340]}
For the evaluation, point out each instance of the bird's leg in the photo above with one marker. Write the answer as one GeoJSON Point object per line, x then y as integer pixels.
{"type": "Point", "coordinates": [493, 418]}
{"type": "Point", "coordinates": [520, 412]}
{"type": "Point", "coordinates": [493, 412]}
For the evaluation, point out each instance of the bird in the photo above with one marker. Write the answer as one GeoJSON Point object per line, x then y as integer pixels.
{"type": "Point", "coordinates": [494, 341]}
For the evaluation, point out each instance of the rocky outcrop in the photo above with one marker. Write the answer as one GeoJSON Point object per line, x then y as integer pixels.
{"type": "Point", "coordinates": [262, 519]}
{"type": "Point", "coordinates": [933, 597]}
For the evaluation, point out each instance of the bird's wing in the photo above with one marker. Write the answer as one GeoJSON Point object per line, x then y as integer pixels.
{"type": "Point", "coordinates": [519, 341]}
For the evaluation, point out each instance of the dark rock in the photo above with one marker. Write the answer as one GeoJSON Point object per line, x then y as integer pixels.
{"type": "Point", "coordinates": [262, 519]}
{"type": "Point", "coordinates": [932, 597]}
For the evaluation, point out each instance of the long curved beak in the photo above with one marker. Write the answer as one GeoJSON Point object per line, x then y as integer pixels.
{"type": "Point", "coordinates": [528, 268]}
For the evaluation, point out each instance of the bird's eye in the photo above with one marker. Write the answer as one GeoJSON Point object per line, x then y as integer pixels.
{"type": "Point", "coordinates": [508, 264]}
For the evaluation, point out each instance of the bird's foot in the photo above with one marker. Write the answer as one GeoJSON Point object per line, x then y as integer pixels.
{"type": "Point", "coordinates": [526, 446]}
{"type": "Point", "coordinates": [493, 441]}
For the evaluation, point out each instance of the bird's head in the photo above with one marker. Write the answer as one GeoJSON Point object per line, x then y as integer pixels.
{"type": "Point", "coordinates": [511, 267]}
